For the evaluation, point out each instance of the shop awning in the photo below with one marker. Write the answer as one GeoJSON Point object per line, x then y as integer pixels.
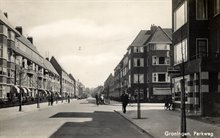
{"type": "Point", "coordinates": [43, 91]}
{"type": "Point", "coordinates": [23, 89]}
{"type": "Point", "coordinates": [16, 89]}
{"type": "Point", "coordinates": [161, 91]}
{"type": "Point", "coordinates": [48, 92]}
{"type": "Point", "coordinates": [28, 90]}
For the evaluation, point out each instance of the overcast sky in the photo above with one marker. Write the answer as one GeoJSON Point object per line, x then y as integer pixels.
{"type": "Point", "coordinates": [87, 37]}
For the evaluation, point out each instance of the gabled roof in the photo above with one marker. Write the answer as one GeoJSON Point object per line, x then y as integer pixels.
{"type": "Point", "coordinates": [160, 36]}
{"type": "Point", "coordinates": [54, 59]}
{"type": "Point", "coordinates": [50, 67]}
{"type": "Point", "coordinates": [5, 21]}
{"type": "Point", "coordinates": [141, 38]}
{"type": "Point", "coordinates": [71, 77]}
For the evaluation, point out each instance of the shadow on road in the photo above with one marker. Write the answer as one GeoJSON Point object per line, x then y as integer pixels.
{"type": "Point", "coordinates": [102, 124]}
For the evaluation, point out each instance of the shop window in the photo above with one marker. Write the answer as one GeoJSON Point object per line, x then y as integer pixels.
{"type": "Point", "coordinates": [180, 52]}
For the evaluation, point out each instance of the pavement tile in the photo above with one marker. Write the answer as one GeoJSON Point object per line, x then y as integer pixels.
{"type": "Point", "coordinates": [164, 124]}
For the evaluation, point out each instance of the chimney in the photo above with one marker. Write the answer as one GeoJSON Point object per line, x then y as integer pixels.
{"type": "Point", "coordinates": [6, 14]}
{"type": "Point", "coordinates": [30, 39]}
{"type": "Point", "coordinates": [153, 28]}
{"type": "Point", "coordinates": [19, 29]}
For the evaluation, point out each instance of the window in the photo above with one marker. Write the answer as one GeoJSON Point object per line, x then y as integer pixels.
{"type": "Point", "coordinates": [3, 30]}
{"type": "Point", "coordinates": [201, 10]}
{"type": "Point", "coordinates": [129, 81]}
{"type": "Point", "coordinates": [161, 47]}
{"type": "Point", "coordinates": [11, 35]}
{"type": "Point", "coordinates": [129, 64]}
{"type": "Point", "coordinates": [154, 60]}
{"type": "Point", "coordinates": [160, 77]}
{"type": "Point", "coordinates": [139, 62]}
{"type": "Point", "coordinates": [202, 47]}
{"type": "Point", "coordinates": [216, 7]}
{"type": "Point", "coordinates": [138, 49]}
{"type": "Point", "coordinates": [180, 51]}
{"type": "Point", "coordinates": [3, 71]}
{"type": "Point", "coordinates": [180, 16]}
{"type": "Point", "coordinates": [160, 60]}
{"type": "Point", "coordinates": [140, 77]}
{"type": "Point", "coordinates": [1, 52]}
{"type": "Point", "coordinates": [129, 51]}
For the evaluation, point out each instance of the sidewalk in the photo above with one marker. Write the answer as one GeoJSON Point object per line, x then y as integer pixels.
{"type": "Point", "coordinates": [12, 112]}
{"type": "Point", "coordinates": [162, 123]}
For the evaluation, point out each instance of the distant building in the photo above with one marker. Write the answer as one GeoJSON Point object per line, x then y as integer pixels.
{"type": "Point", "coordinates": [74, 84]}
{"type": "Point", "coordinates": [109, 86]}
{"type": "Point", "coordinates": [66, 83]}
{"type": "Point", "coordinates": [196, 43]}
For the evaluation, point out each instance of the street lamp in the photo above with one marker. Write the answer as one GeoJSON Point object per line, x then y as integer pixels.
{"type": "Point", "coordinates": [183, 107]}
{"type": "Point", "coordinates": [138, 98]}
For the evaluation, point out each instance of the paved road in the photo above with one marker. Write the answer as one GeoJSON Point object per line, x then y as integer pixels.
{"type": "Point", "coordinates": [78, 119]}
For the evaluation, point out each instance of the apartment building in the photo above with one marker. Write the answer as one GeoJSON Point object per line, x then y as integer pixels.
{"type": "Point", "coordinates": [196, 46]}
{"type": "Point", "coordinates": [23, 69]}
{"type": "Point", "coordinates": [73, 83]}
{"type": "Point", "coordinates": [144, 66]}
{"type": "Point", "coordinates": [157, 49]}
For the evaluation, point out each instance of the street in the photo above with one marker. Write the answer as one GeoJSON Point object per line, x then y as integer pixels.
{"type": "Point", "coordinates": [78, 119]}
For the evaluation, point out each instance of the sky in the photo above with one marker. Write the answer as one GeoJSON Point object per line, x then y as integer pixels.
{"type": "Point", "coordinates": [87, 37]}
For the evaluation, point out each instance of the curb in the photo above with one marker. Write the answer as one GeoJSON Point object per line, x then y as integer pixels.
{"type": "Point", "coordinates": [138, 127]}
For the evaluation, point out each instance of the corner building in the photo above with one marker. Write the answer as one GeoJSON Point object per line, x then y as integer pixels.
{"type": "Point", "coordinates": [196, 47]}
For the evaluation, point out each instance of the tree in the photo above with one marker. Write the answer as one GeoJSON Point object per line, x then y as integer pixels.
{"type": "Point", "coordinates": [20, 78]}
{"type": "Point", "coordinates": [36, 82]}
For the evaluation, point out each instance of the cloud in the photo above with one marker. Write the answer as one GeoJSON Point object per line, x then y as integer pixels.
{"type": "Point", "coordinates": [90, 60]}
{"type": "Point", "coordinates": [77, 27]}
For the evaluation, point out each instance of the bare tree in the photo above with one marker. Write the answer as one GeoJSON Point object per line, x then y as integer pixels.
{"type": "Point", "coordinates": [36, 83]}
{"type": "Point", "coordinates": [20, 78]}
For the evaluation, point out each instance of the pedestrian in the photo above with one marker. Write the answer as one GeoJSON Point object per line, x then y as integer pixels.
{"type": "Point", "coordinates": [102, 99]}
{"type": "Point", "coordinates": [51, 99]}
{"type": "Point", "coordinates": [124, 99]}
{"type": "Point", "coordinates": [68, 97]}
{"type": "Point", "coordinates": [97, 99]}
{"type": "Point", "coordinates": [48, 99]}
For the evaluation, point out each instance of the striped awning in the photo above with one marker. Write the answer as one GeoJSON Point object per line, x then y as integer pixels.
{"type": "Point", "coordinates": [43, 91]}
{"type": "Point", "coordinates": [16, 88]}
{"type": "Point", "coordinates": [28, 90]}
{"type": "Point", "coordinates": [23, 89]}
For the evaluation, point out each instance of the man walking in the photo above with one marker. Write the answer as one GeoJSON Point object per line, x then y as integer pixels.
{"type": "Point", "coordinates": [124, 99]}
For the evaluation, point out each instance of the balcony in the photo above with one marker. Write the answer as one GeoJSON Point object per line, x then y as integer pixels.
{"type": "Point", "coordinates": [40, 74]}
{"type": "Point", "coordinates": [11, 65]}
{"type": "Point", "coordinates": [30, 71]}
{"type": "Point", "coordinates": [10, 81]}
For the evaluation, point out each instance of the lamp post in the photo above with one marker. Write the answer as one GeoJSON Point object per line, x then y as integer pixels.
{"type": "Point", "coordinates": [138, 98]}
{"type": "Point", "coordinates": [183, 107]}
